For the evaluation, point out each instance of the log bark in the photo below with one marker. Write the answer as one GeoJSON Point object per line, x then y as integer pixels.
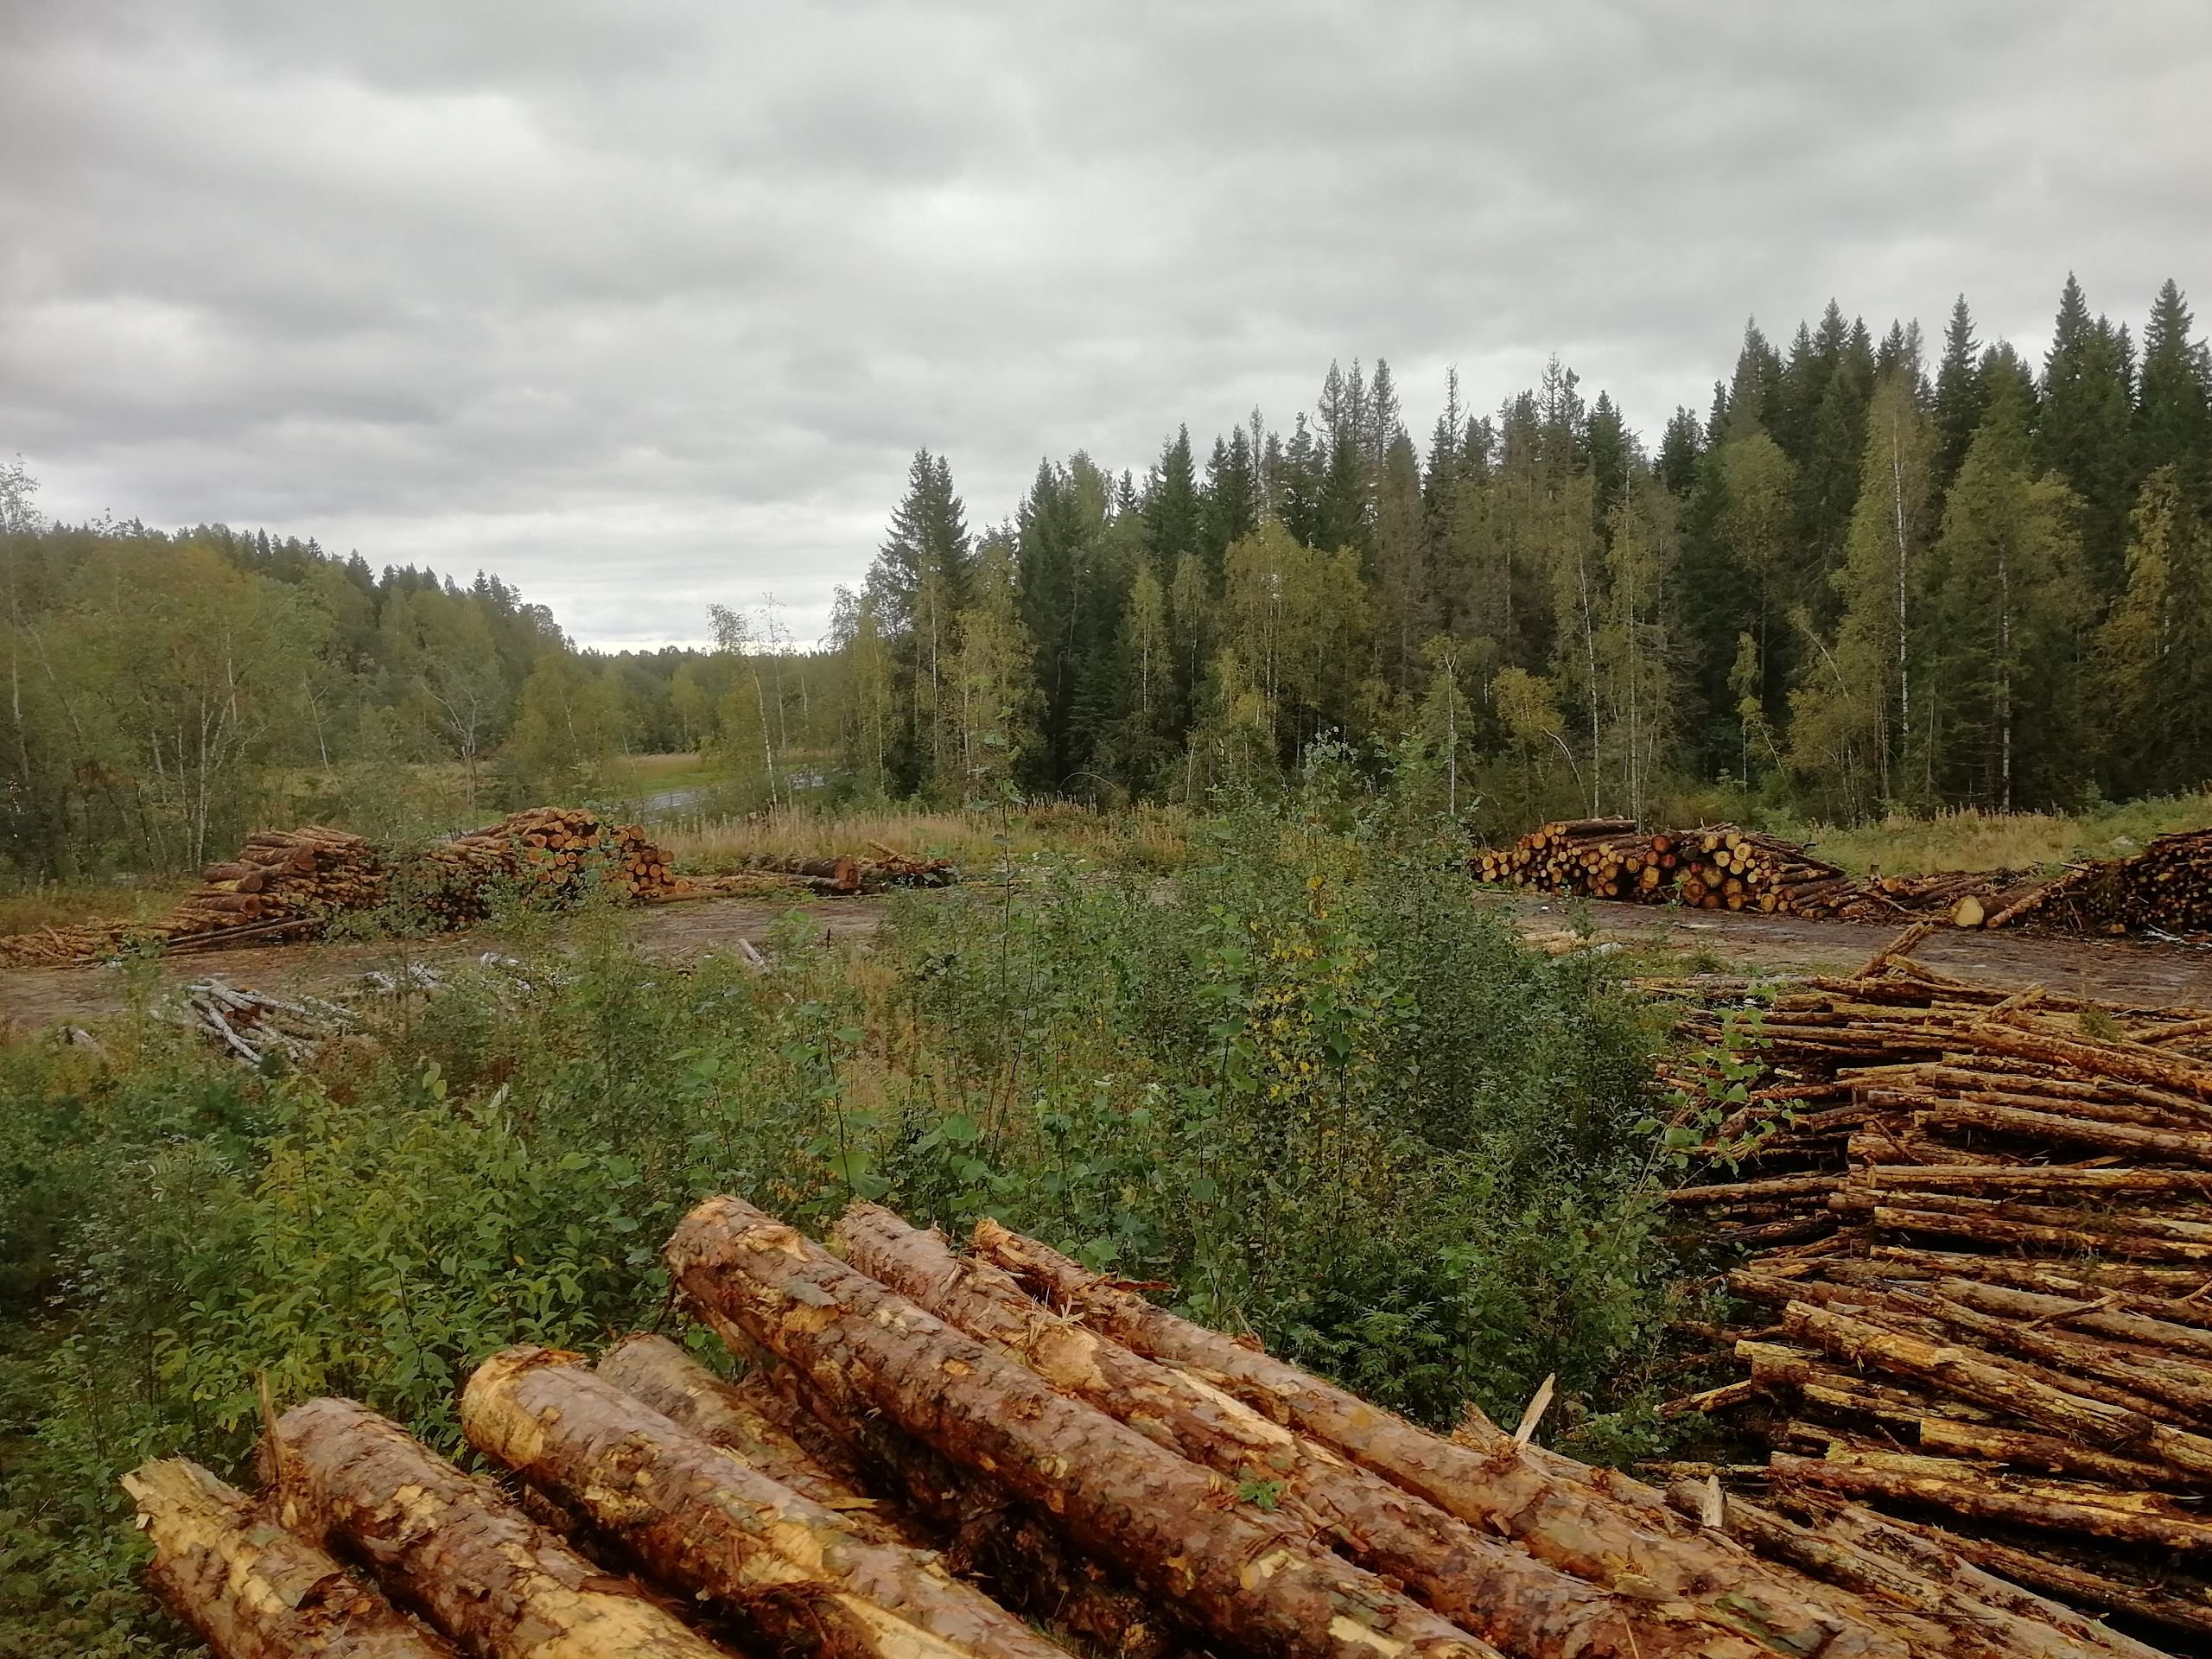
{"type": "Point", "coordinates": [1937, 1555]}
{"type": "Point", "coordinates": [253, 1590]}
{"type": "Point", "coordinates": [2008, 1386]}
{"type": "Point", "coordinates": [655, 1372]}
{"type": "Point", "coordinates": [1003, 1544]}
{"type": "Point", "coordinates": [1502, 1486]}
{"type": "Point", "coordinates": [695, 1515]}
{"type": "Point", "coordinates": [1952, 1610]}
{"type": "Point", "coordinates": [1965, 1491]}
{"type": "Point", "coordinates": [453, 1548]}
{"type": "Point", "coordinates": [1178, 1530]}
{"type": "Point", "coordinates": [1499, 1594]}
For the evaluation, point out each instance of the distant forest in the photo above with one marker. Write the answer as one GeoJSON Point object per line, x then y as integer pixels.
{"type": "Point", "coordinates": [1851, 585]}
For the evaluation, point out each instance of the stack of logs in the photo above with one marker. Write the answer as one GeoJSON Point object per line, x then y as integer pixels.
{"type": "Point", "coordinates": [1717, 866]}
{"type": "Point", "coordinates": [288, 883]}
{"type": "Point", "coordinates": [547, 855]}
{"type": "Point", "coordinates": [1983, 1301]}
{"type": "Point", "coordinates": [942, 1453]}
{"type": "Point", "coordinates": [282, 884]}
{"type": "Point", "coordinates": [2165, 888]}
{"type": "Point", "coordinates": [847, 872]}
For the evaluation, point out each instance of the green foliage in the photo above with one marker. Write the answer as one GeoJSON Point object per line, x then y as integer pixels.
{"type": "Point", "coordinates": [1312, 1086]}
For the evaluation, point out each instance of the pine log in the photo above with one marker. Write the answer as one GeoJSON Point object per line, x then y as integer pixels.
{"type": "Point", "coordinates": [1961, 1490]}
{"type": "Point", "coordinates": [1586, 1527]}
{"type": "Point", "coordinates": [1004, 1544]}
{"type": "Point", "coordinates": [253, 1590]}
{"type": "Point", "coordinates": [697, 1517]}
{"type": "Point", "coordinates": [1497, 1592]}
{"type": "Point", "coordinates": [2178, 1145]}
{"type": "Point", "coordinates": [2150, 1595]}
{"type": "Point", "coordinates": [450, 1545]}
{"type": "Point", "coordinates": [1953, 1609]}
{"type": "Point", "coordinates": [2091, 1315]}
{"type": "Point", "coordinates": [1937, 1555]}
{"type": "Point", "coordinates": [1178, 1530]}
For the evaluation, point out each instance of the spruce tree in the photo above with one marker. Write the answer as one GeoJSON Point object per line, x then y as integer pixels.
{"type": "Point", "coordinates": [1679, 448]}
{"type": "Point", "coordinates": [2082, 433]}
{"type": "Point", "coordinates": [2154, 652]}
{"type": "Point", "coordinates": [917, 588]}
{"type": "Point", "coordinates": [1961, 396]}
{"type": "Point", "coordinates": [2173, 416]}
{"type": "Point", "coordinates": [2006, 627]}
{"type": "Point", "coordinates": [1172, 510]}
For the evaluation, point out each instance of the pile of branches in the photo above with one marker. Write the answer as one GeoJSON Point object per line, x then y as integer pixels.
{"type": "Point", "coordinates": [1983, 1319]}
{"type": "Point", "coordinates": [1715, 867]}
{"type": "Point", "coordinates": [289, 883]}
{"type": "Point", "coordinates": [283, 883]}
{"type": "Point", "coordinates": [999, 1455]}
{"type": "Point", "coordinates": [251, 1025]}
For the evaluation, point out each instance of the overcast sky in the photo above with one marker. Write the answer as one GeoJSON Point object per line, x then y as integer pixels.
{"type": "Point", "coordinates": [647, 305]}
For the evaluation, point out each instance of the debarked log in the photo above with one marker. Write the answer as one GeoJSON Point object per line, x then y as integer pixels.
{"type": "Point", "coordinates": [1179, 1531]}
{"type": "Point", "coordinates": [252, 1589]}
{"type": "Point", "coordinates": [695, 1515]}
{"type": "Point", "coordinates": [452, 1546]}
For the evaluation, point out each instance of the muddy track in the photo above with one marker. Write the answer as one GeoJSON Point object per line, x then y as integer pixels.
{"type": "Point", "coordinates": [2131, 973]}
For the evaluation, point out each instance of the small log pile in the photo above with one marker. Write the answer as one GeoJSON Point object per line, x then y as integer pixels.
{"type": "Point", "coordinates": [1962, 897]}
{"type": "Point", "coordinates": [1715, 867]}
{"type": "Point", "coordinates": [283, 883]}
{"type": "Point", "coordinates": [250, 1025]}
{"type": "Point", "coordinates": [1980, 1319]}
{"type": "Point", "coordinates": [289, 883]}
{"type": "Point", "coordinates": [547, 856]}
{"type": "Point", "coordinates": [998, 1454]}
{"type": "Point", "coordinates": [849, 872]}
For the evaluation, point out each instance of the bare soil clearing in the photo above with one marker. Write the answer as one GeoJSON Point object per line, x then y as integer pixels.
{"type": "Point", "coordinates": [2127, 972]}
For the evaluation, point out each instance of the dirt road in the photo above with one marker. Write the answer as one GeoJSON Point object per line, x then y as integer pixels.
{"type": "Point", "coordinates": [2131, 973]}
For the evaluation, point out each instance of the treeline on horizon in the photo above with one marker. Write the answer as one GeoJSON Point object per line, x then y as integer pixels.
{"type": "Point", "coordinates": [1855, 585]}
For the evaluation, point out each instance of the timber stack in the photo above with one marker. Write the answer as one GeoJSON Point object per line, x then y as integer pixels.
{"type": "Point", "coordinates": [1976, 1320]}
{"type": "Point", "coordinates": [1962, 897]}
{"type": "Point", "coordinates": [996, 1453]}
{"type": "Point", "coordinates": [845, 874]}
{"type": "Point", "coordinates": [291, 883]}
{"type": "Point", "coordinates": [283, 883]}
{"type": "Point", "coordinates": [1715, 867]}
{"type": "Point", "coordinates": [547, 856]}
{"type": "Point", "coordinates": [2166, 888]}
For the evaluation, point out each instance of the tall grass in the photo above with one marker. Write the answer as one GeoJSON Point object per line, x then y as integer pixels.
{"type": "Point", "coordinates": [1966, 839]}
{"type": "Point", "coordinates": [1149, 837]}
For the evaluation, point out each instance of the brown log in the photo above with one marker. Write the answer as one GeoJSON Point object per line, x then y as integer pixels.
{"type": "Point", "coordinates": [2080, 1315]}
{"type": "Point", "coordinates": [1005, 1545]}
{"type": "Point", "coordinates": [1938, 1555]}
{"type": "Point", "coordinates": [451, 1547]}
{"type": "Point", "coordinates": [697, 1518]}
{"type": "Point", "coordinates": [655, 1371]}
{"type": "Point", "coordinates": [1492, 1590]}
{"type": "Point", "coordinates": [253, 1590]}
{"type": "Point", "coordinates": [1567, 1523]}
{"type": "Point", "coordinates": [2152, 1597]}
{"type": "Point", "coordinates": [1945, 1606]}
{"type": "Point", "coordinates": [2177, 1145]}
{"type": "Point", "coordinates": [2007, 1385]}
{"type": "Point", "coordinates": [1178, 1530]}
{"type": "Point", "coordinates": [1961, 1490]}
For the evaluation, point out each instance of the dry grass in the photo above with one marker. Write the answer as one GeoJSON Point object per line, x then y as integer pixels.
{"type": "Point", "coordinates": [1149, 838]}
{"type": "Point", "coordinates": [1969, 840]}
{"type": "Point", "coordinates": [64, 904]}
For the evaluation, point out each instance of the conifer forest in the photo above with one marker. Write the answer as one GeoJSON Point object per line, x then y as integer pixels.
{"type": "Point", "coordinates": [1875, 575]}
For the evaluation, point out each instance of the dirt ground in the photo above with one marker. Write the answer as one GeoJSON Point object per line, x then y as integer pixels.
{"type": "Point", "coordinates": [2131, 973]}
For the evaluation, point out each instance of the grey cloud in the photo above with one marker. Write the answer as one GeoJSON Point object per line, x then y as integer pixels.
{"type": "Point", "coordinates": [647, 307]}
